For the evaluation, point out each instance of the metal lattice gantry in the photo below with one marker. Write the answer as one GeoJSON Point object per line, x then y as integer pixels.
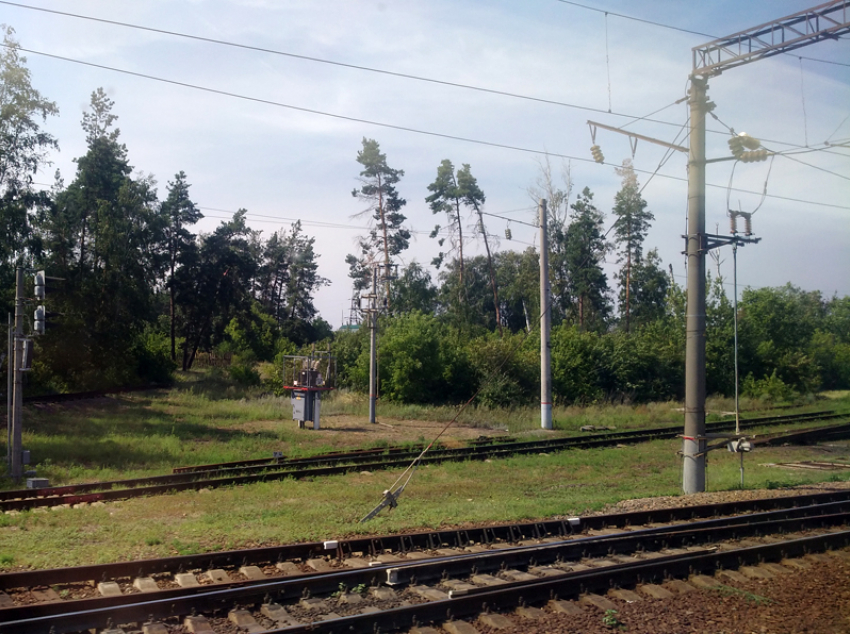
{"type": "Point", "coordinates": [826, 21]}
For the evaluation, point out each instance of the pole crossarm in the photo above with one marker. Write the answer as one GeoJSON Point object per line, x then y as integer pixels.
{"type": "Point", "coordinates": [713, 241]}
{"type": "Point", "coordinates": [826, 21]}
{"type": "Point", "coordinates": [634, 135]}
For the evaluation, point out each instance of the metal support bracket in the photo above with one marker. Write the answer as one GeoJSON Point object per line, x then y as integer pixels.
{"type": "Point", "coordinates": [390, 500]}
{"type": "Point", "coordinates": [710, 241]}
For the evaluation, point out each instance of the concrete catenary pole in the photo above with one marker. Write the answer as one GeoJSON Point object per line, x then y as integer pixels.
{"type": "Point", "coordinates": [693, 472]}
{"type": "Point", "coordinates": [373, 346]}
{"type": "Point", "coordinates": [16, 467]}
{"type": "Point", "coordinates": [545, 325]}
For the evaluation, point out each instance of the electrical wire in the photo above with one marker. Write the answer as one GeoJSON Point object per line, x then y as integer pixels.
{"type": "Point", "coordinates": [816, 167]}
{"type": "Point", "coordinates": [788, 153]}
{"type": "Point", "coordinates": [319, 60]}
{"type": "Point", "coordinates": [389, 125]}
{"type": "Point", "coordinates": [676, 28]}
{"type": "Point", "coordinates": [356, 66]}
{"type": "Point", "coordinates": [666, 156]}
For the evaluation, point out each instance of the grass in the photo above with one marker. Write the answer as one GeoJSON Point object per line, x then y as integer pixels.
{"type": "Point", "coordinates": [149, 433]}
{"type": "Point", "coordinates": [749, 597]}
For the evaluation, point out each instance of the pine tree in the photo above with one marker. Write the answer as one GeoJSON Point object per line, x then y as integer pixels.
{"type": "Point", "coordinates": [386, 236]}
{"type": "Point", "coordinates": [630, 229]}
{"type": "Point", "coordinates": [179, 211]}
{"type": "Point", "coordinates": [584, 252]}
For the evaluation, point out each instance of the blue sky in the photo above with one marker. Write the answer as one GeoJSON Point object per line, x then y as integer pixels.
{"type": "Point", "coordinates": [282, 164]}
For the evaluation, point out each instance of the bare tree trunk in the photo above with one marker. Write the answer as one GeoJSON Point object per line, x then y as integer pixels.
{"type": "Point", "coordinates": [490, 267]}
{"type": "Point", "coordinates": [465, 296]}
{"type": "Point", "coordinates": [171, 307]}
{"type": "Point", "coordinates": [386, 242]}
{"type": "Point", "coordinates": [628, 276]}
{"type": "Point", "coordinates": [581, 313]}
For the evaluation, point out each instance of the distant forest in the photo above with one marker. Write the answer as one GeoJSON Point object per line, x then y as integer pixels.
{"type": "Point", "coordinates": [140, 294]}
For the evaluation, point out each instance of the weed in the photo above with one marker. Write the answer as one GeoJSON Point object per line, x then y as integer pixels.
{"type": "Point", "coordinates": [360, 588]}
{"type": "Point", "coordinates": [610, 620]}
{"type": "Point", "coordinates": [153, 541]}
{"type": "Point", "coordinates": [193, 548]}
{"type": "Point", "coordinates": [6, 559]}
{"type": "Point", "coordinates": [749, 597]}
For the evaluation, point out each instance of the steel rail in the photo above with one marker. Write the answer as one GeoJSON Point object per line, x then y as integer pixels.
{"type": "Point", "coordinates": [449, 538]}
{"type": "Point", "coordinates": [91, 613]}
{"type": "Point", "coordinates": [23, 499]}
{"type": "Point", "coordinates": [512, 595]}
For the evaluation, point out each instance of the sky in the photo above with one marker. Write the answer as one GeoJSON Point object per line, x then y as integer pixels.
{"type": "Point", "coordinates": [276, 131]}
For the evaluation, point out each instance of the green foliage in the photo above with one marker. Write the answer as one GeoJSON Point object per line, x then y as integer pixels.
{"type": "Point", "coordinates": [152, 353]}
{"type": "Point", "coordinates": [610, 620]}
{"type": "Point", "coordinates": [577, 363]}
{"type": "Point", "coordinates": [584, 250]}
{"type": "Point", "coordinates": [24, 149]}
{"type": "Point", "coordinates": [770, 389]}
{"type": "Point", "coordinates": [348, 348]}
{"type": "Point", "coordinates": [413, 290]}
{"type": "Point", "coordinates": [630, 229]}
{"type": "Point", "coordinates": [387, 236]}
{"type": "Point", "coordinates": [416, 364]}
{"type": "Point", "coordinates": [749, 597]}
{"type": "Point", "coordinates": [186, 548]}
{"type": "Point", "coordinates": [506, 369]}
{"type": "Point", "coordinates": [244, 374]}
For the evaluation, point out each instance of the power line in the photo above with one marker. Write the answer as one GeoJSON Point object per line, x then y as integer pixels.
{"type": "Point", "coordinates": [822, 169]}
{"type": "Point", "coordinates": [381, 124]}
{"type": "Point", "coordinates": [370, 69]}
{"type": "Point", "coordinates": [320, 60]}
{"type": "Point", "coordinates": [677, 28]}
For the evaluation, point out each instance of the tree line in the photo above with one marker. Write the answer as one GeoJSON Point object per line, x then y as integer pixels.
{"type": "Point", "coordinates": [142, 293]}
{"type": "Point", "coordinates": [474, 329]}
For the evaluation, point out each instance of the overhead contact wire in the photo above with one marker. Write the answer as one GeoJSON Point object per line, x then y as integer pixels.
{"type": "Point", "coordinates": [381, 124]}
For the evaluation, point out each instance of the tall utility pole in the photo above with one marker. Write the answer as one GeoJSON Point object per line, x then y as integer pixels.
{"type": "Point", "coordinates": [373, 345]}
{"type": "Point", "coordinates": [826, 21]}
{"type": "Point", "coordinates": [17, 466]}
{"type": "Point", "coordinates": [693, 478]}
{"type": "Point", "coordinates": [545, 325]}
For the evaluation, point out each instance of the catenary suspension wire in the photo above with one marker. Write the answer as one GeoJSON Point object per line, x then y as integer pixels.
{"type": "Point", "coordinates": [788, 153]}
{"type": "Point", "coordinates": [359, 67]}
{"type": "Point", "coordinates": [667, 155]}
{"type": "Point", "coordinates": [319, 60]}
{"type": "Point", "coordinates": [674, 28]}
{"type": "Point", "coordinates": [386, 125]}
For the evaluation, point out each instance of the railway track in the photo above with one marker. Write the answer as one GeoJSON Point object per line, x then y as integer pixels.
{"type": "Point", "coordinates": [399, 582]}
{"type": "Point", "coordinates": [252, 471]}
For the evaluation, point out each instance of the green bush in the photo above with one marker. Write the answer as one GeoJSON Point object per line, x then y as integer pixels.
{"type": "Point", "coordinates": [505, 369]}
{"type": "Point", "coordinates": [152, 353]}
{"type": "Point", "coordinates": [244, 374]}
{"type": "Point", "coordinates": [576, 366]}
{"type": "Point", "coordinates": [771, 389]}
